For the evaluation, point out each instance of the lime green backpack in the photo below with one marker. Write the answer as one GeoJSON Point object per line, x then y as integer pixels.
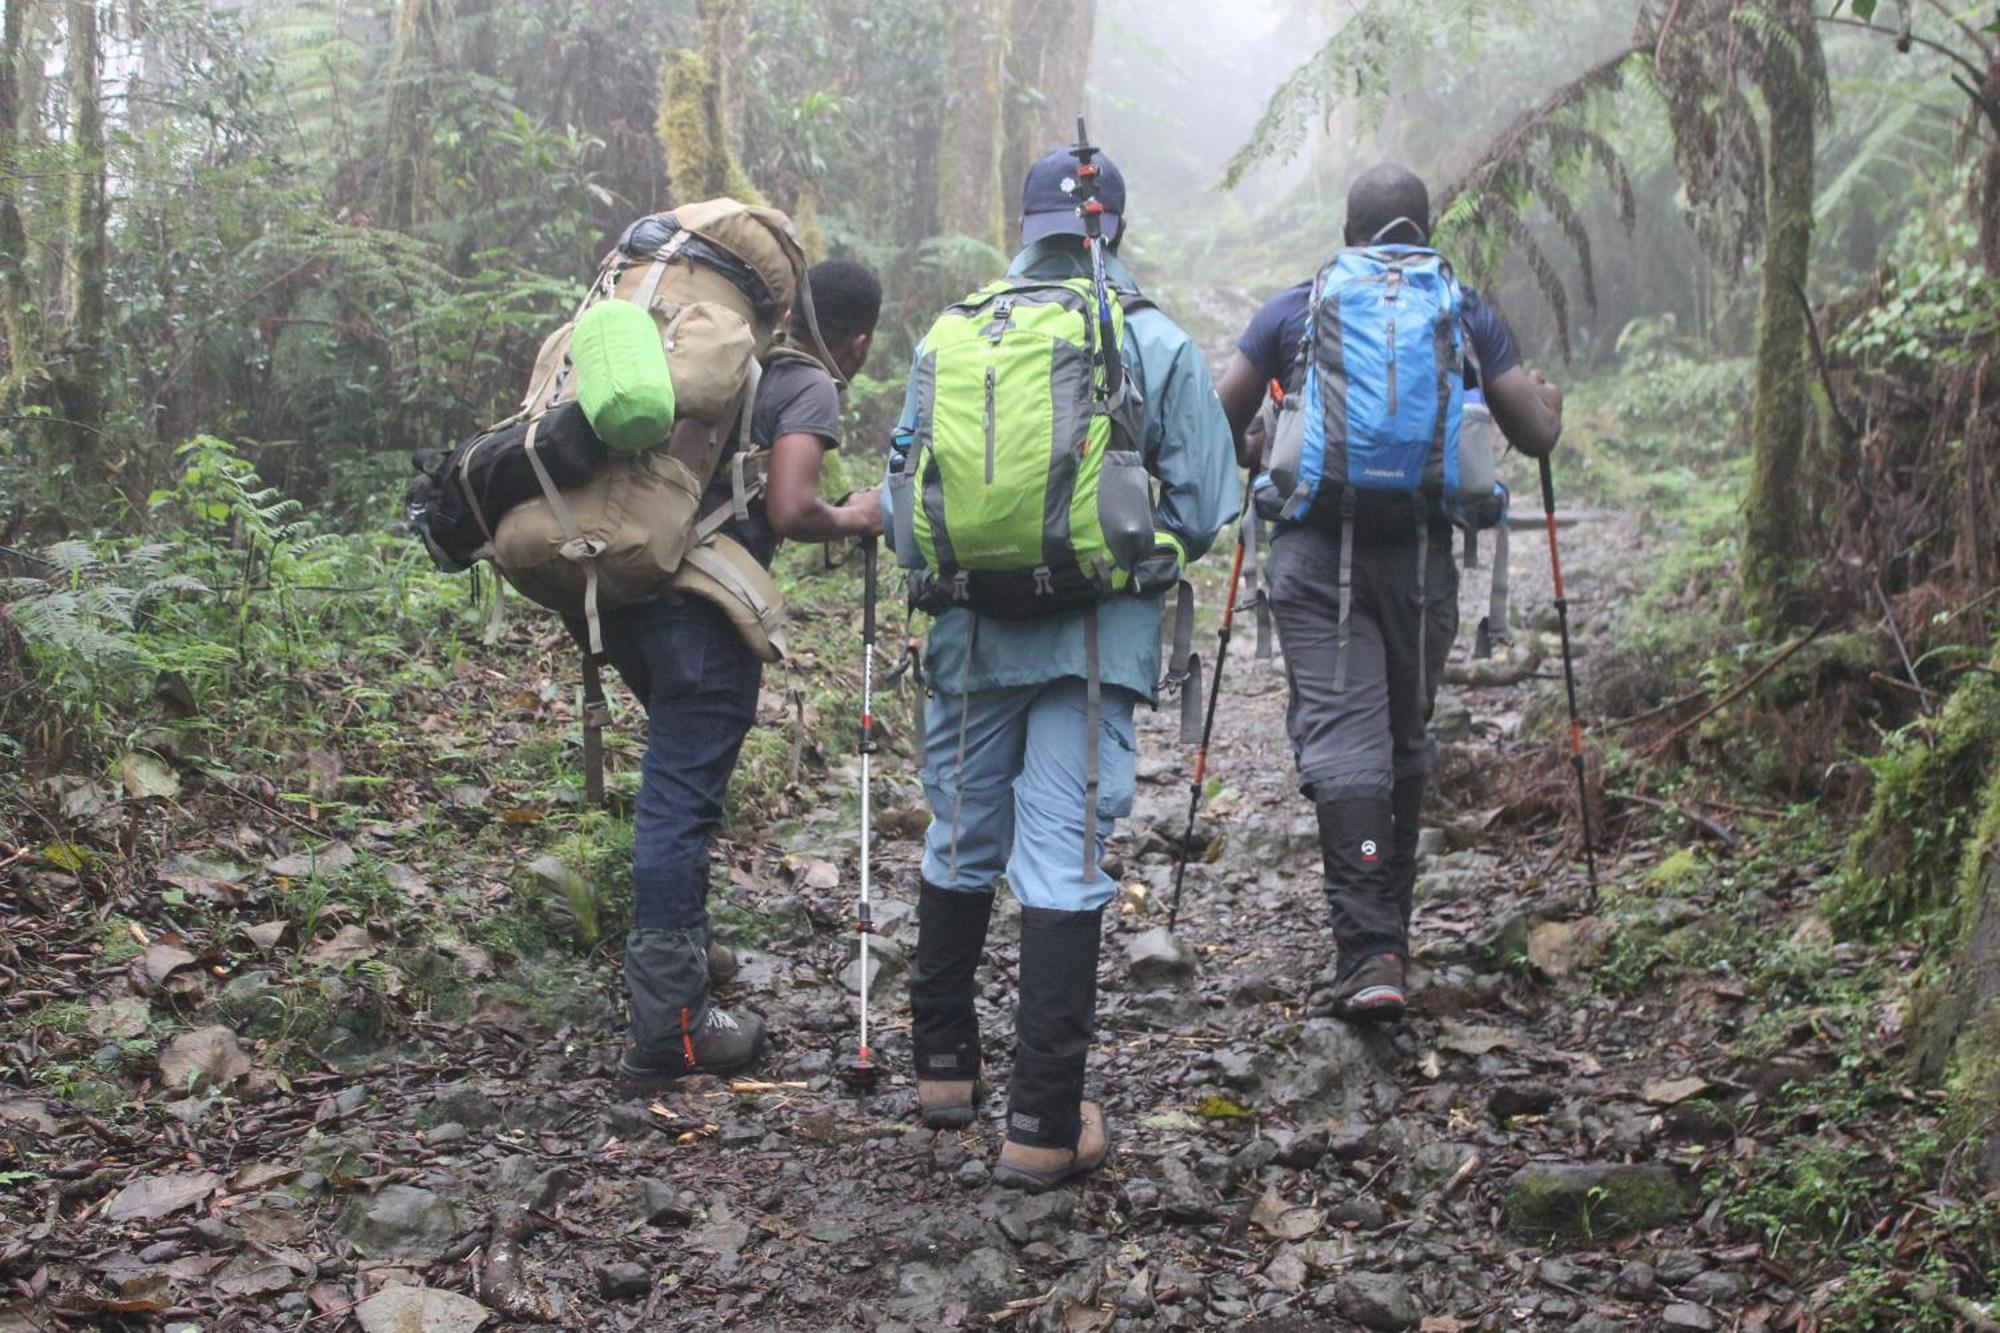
{"type": "Point", "coordinates": [1024, 493]}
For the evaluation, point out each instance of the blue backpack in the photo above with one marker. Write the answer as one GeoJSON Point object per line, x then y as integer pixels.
{"type": "Point", "coordinates": [1384, 392]}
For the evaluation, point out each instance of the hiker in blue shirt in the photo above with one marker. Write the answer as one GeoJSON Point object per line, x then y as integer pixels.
{"type": "Point", "coordinates": [1012, 697]}
{"type": "Point", "coordinates": [1364, 679]}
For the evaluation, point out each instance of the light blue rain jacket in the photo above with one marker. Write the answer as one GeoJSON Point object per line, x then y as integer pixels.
{"type": "Point", "coordinates": [1188, 449]}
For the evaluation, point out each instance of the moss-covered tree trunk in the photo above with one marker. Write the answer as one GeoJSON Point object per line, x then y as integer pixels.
{"type": "Point", "coordinates": [1958, 1040]}
{"type": "Point", "coordinates": [1988, 183]}
{"type": "Point", "coordinates": [16, 292]}
{"type": "Point", "coordinates": [78, 371]}
{"type": "Point", "coordinates": [973, 142]}
{"type": "Point", "coordinates": [1774, 535]}
{"type": "Point", "coordinates": [413, 54]}
{"type": "Point", "coordinates": [1048, 71]}
{"type": "Point", "coordinates": [725, 47]}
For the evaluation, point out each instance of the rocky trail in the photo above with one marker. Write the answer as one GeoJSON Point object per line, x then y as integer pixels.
{"type": "Point", "coordinates": [1527, 1152]}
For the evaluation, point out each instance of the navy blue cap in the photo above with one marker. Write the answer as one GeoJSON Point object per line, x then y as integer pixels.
{"type": "Point", "coordinates": [1048, 206]}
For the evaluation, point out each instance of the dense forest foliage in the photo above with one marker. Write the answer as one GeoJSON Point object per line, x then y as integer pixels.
{"type": "Point", "coordinates": [253, 256]}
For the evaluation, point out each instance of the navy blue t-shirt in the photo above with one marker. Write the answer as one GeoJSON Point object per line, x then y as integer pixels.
{"type": "Point", "coordinates": [1271, 342]}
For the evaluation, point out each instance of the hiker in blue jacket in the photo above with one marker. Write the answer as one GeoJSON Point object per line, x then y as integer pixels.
{"type": "Point", "coordinates": [1016, 692]}
{"type": "Point", "coordinates": [1360, 734]}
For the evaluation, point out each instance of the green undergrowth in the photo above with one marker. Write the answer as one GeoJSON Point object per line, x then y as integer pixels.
{"type": "Point", "coordinates": [242, 685]}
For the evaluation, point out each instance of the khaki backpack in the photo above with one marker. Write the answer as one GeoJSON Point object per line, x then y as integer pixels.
{"type": "Point", "coordinates": [720, 281]}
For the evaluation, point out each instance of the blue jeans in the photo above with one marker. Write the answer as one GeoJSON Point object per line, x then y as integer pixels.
{"type": "Point", "coordinates": [1018, 805]}
{"type": "Point", "coordinates": [699, 682]}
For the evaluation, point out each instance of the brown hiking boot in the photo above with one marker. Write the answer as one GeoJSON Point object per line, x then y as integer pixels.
{"type": "Point", "coordinates": [1373, 992]}
{"type": "Point", "coordinates": [1024, 1167]}
{"type": "Point", "coordinates": [949, 1103]}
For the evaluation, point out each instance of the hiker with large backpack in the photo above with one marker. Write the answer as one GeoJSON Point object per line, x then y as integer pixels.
{"type": "Point", "coordinates": [672, 433]}
{"type": "Point", "coordinates": [1060, 461]}
{"type": "Point", "coordinates": [1363, 472]}
{"type": "Point", "coordinates": [699, 676]}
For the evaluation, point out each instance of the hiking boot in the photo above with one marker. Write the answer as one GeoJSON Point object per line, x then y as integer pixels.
{"type": "Point", "coordinates": [1025, 1167]}
{"type": "Point", "coordinates": [1373, 992]}
{"type": "Point", "coordinates": [1052, 1133]}
{"type": "Point", "coordinates": [944, 1029]}
{"type": "Point", "coordinates": [949, 1103]}
{"type": "Point", "coordinates": [674, 1029]}
{"type": "Point", "coordinates": [712, 1042]}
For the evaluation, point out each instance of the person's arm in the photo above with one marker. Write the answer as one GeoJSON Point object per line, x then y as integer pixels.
{"type": "Point", "coordinates": [792, 500]}
{"type": "Point", "coordinates": [1528, 409]}
{"type": "Point", "coordinates": [1241, 390]}
{"type": "Point", "coordinates": [1196, 462]}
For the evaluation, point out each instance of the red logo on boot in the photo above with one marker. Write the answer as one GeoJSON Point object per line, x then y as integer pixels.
{"type": "Point", "coordinates": [1369, 851]}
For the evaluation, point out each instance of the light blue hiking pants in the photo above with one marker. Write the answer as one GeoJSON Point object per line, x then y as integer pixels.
{"type": "Point", "coordinates": [1018, 803]}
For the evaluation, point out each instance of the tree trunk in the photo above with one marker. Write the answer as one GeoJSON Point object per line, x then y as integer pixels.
{"type": "Point", "coordinates": [725, 45]}
{"type": "Point", "coordinates": [1774, 536]}
{"type": "Point", "coordinates": [974, 137]}
{"type": "Point", "coordinates": [412, 56]}
{"type": "Point", "coordinates": [16, 293]}
{"type": "Point", "coordinates": [79, 377]}
{"type": "Point", "coordinates": [1986, 197]}
{"type": "Point", "coordinates": [1958, 1038]}
{"type": "Point", "coordinates": [1048, 74]}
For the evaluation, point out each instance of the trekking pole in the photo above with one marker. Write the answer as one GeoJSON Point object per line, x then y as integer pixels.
{"type": "Point", "coordinates": [860, 1071]}
{"type": "Point", "coordinates": [1576, 759]}
{"type": "Point", "coordinates": [1208, 723]}
{"type": "Point", "coordinates": [1090, 207]}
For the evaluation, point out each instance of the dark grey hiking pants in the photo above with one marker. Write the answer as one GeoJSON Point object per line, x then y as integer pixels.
{"type": "Point", "coordinates": [1357, 737]}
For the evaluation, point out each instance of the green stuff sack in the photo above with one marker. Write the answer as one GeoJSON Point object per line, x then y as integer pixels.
{"type": "Point", "coordinates": [1025, 493]}
{"type": "Point", "coordinates": [622, 380]}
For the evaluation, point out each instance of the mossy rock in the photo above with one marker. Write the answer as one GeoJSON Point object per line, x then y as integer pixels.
{"type": "Point", "coordinates": [1590, 1199]}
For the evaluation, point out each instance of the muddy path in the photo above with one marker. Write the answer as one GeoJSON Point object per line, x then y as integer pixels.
{"type": "Point", "coordinates": [1516, 1156]}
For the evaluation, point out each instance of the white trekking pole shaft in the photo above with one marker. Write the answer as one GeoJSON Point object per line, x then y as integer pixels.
{"type": "Point", "coordinates": [861, 1070]}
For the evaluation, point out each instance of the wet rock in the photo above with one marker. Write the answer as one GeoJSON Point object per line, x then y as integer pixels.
{"type": "Point", "coordinates": [469, 1105]}
{"type": "Point", "coordinates": [1350, 1140]}
{"type": "Point", "coordinates": [519, 1179]}
{"type": "Point", "coordinates": [663, 1205]}
{"type": "Point", "coordinates": [1303, 1150]}
{"type": "Point", "coordinates": [1590, 1198]}
{"type": "Point", "coordinates": [886, 959]}
{"type": "Point", "coordinates": [972, 1174]}
{"type": "Point", "coordinates": [1258, 988]}
{"type": "Point", "coordinates": [445, 1135]}
{"type": "Point", "coordinates": [1156, 960]}
{"type": "Point", "coordinates": [1361, 1212]}
{"type": "Point", "coordinates": [1329, 1063]}
{"type": "Point", "coordinates": [1677, 1266]}
{"type": "Point", "coordinates": [624, 1282]}
{"type": "Point", "coordinates": [1182, 1197]}
{"type": "Point", "coordinates": [402, 1222]}
{"type": "Point", "coordinates": [1376, 1300]}
{"type": "Point", "coordinates": [1236, 1068]}
{"type": "Point", "coordinates": [1037, 1217]}
{"type": "Point", "coordinates": [1593, 1322]}
{"type": "Point", "coordinates": [1512, 1099]}
{"type": "Point", "coordinates": [1716, 1287]}
{"type": "Point", "coordinates": [1636, 1281]}
{"type": "Point", "coordinates": [1688, 1316]}
{"type": "Point", "coordinates": [253, 1003]}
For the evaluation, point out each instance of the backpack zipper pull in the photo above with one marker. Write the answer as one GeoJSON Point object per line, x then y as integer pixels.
{"type": "Point", "coordinates": [1392, 365]}
{"type": "Point", "coordinates": [992, 377]}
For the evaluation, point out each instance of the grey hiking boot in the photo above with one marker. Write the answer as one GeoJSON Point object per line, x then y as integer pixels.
{"type": "Point", "coordinates": [714, 1042]}
{"type": "Point", "coordinates": [1372, 992]}
{"type": "Point", "coordinates": [675, 1030]}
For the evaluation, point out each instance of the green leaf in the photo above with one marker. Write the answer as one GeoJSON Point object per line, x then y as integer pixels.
{"type": "Point", "coordinates": [1217, 1107]}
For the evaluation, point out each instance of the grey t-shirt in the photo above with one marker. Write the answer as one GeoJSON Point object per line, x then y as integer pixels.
{"type": "Point", "coordinates": [795, 398]}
